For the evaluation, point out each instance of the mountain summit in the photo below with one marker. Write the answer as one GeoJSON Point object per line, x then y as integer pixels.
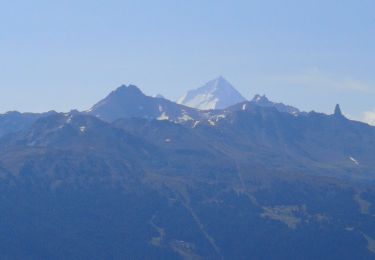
{"type": "Point", "coordinates": [215, 94]}
{"type": "Point", "coordinates": [263, 101]}
{"type": "Point", "coordinates": [131, 102]}
{"type": "Point", "coordinates": [160, 179]}
{"type": "Point", "coordinates": [338, 112]}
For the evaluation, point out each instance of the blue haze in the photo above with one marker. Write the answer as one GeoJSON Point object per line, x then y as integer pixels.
{"type": "Point", "coordinates": [69, 54]}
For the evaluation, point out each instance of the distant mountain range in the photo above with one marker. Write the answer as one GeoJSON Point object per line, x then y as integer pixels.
{"type": "Point", "coordinates": [131, 102]}
{"type": "Point", "coordinates": [140, 177]}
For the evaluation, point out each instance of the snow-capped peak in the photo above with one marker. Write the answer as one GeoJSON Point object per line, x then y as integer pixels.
{"type": "Point", "coordinates": [215, 94]}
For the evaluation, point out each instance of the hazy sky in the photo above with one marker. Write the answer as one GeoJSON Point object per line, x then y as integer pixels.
{"type": "Point", "coordinates": [69, 54]}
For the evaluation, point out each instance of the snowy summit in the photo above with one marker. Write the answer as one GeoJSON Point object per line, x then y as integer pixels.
{"type": "Point", "coordinates": [216, 94]}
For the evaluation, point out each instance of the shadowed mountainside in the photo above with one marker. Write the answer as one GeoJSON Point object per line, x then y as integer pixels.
{"type": "Point", "coordinates": [246, 182]}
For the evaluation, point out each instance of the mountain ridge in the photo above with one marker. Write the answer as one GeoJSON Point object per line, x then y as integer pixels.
{"type": "Point", "coordinates": [227, 184]}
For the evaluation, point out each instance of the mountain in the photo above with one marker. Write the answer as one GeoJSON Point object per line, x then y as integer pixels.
{"type": "Point", "coordinates": [130, 102]}
{"type": "Point", "coordinates": [216, 94]}
{"type": "Point", "coordinates": [15, 121]}
{"type": "Point", "coordinates": [250, 181]}
{"type": "Point", "coordinates": [263, 101]}
{"type": "Point", "coordinates": [314, 141]}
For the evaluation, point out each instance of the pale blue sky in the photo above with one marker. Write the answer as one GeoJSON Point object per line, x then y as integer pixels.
{"type": "Point", "coordinates": [69, 54]}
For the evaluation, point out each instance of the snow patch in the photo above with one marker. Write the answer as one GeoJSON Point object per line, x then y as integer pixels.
{"type": "Point", "coordinates": [196, 123]}
{"type": "Point", "coordinates": [349, 229]}
{"type": "Point", "coordinates": [219, 117]}
{"type": "Point", "coordinates": [163, 116]}
{"type": "Point", "coordinates": [354, 160]}
{"type": "Point", "coordinates": [69, 119]}
{"type": "Point", "coordinates": [295, 113]}
{"type": "Point", "coordinates": [185, 117]}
